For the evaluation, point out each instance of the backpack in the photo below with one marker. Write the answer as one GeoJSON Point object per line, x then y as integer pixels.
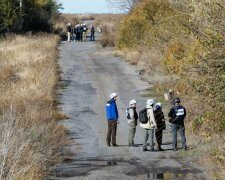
{"type": "Point", "coordinates": [143, 117]}
{"type": "Point", "coordinates": [128, 113]}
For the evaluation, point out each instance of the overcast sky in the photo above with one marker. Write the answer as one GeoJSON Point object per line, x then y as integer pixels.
{"type": "Point", "coordinates": [85, 6]}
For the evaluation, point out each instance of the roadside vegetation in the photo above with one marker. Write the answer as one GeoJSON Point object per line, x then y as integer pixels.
{"type": "Point", "coordinates": [30, 138]}
{"type": "Point", "coordinates": [109, 24]}
{"type": "Point", "coordinates": [60, 24]}
{"type": "Point", "coordinates": [181, 45]}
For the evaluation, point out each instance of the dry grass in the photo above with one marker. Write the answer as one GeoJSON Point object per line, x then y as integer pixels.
{"type": "Point", "coordinates": [109, 25]}
{"type": "Point", "coordinates": [148, 62]}
{"type": "Point", "coordinates": [108, 20]}
{"type": "Point", "coordinates": [30, 137]}
{"type": "Point", "coordinates": [61, 22]}
{"type": "Point", "coordinates": [85, 17]}
{"type": "Point", "coordinates": [208, 153]}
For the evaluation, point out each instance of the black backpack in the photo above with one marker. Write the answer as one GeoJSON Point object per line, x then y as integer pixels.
{"type": "Point", "coordinates": [143, 117]}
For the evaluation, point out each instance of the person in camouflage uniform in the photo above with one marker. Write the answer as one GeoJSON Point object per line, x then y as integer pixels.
{"type": "Point", "coordinates": [132, 121]}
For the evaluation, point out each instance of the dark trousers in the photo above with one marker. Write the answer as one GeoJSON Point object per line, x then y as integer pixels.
{"type": "Point", "coordinates": [111, 135]}
{"type": "Point", "coordinates": [78, 36]}
{"type": "Point", "coordinates": [158, 135]}
{"type": "Point", "coordinates": [81, 36]}
{"type": "Point", "coordinates": [181, 130]}
{"type": "Point", "coordinates": [92, 37]}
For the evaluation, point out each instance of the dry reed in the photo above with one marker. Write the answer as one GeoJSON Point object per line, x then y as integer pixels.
{"type": "Point", "coordinates": [30, 137]}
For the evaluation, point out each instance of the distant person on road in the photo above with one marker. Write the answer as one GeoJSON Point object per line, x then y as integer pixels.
{"type": "Point", "coordinates": [132, 117]}
{"type": "Point", "coordinates": [69, 30]}
{"type": "Point", "coordinates": [81, 30]}
{"type": "Point", "coordinates": [77, 32]}
{"type": "Point", "coordinates": [73, 33]}
{"type": "Point", "coordinates": [149, 126]}
{"type": "Point", "coordinates": [161, 125]}
{"type": "Point", "coordinates": [92, 38]}
{"type": "Point", "coordinates": [85, 29]}
{"type": "Point", "coordinates": [177, 115]}
{"type": "Point", "coordinates": [112, 117]}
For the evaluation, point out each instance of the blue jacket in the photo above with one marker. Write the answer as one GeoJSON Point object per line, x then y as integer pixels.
{"type": "Point", "coordinates": [111, 111]}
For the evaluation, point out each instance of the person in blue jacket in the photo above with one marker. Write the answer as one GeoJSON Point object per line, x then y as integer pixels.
{"type": "Point", "coordinates": [112, 117]}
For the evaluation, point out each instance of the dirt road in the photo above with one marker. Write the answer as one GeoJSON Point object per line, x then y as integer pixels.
{"type": "Point", "coordinates": [89, 74]}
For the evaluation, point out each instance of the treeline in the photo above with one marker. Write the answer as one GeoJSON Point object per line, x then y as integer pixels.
{"type": "Point", "coordinates": [27, 15]}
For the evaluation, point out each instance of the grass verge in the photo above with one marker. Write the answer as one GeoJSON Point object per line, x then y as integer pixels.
{"type": "Point", "coordinates": [30, 138]}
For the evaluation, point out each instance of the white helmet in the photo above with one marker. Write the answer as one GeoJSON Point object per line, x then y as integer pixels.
{"type": "Point", "coordinates": [158, 104]}
{"type": "Point", "coordinates": [132, 102]}
{"type": "Point", "coordinates": [112, 95]}
{"type": "Point", "coordinates": [150, 102]}
{"type": "Point", "coordinates": [69, 24]}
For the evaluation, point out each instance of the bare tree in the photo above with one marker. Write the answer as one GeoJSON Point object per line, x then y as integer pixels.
{"type": "Point", "coordinates": [124, 5]}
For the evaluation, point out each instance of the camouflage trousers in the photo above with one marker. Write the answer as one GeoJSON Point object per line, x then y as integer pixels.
{"type": "Point", "coordinates": [132, 131]}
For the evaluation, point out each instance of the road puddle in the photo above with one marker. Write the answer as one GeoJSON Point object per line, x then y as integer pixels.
{"type": "Point", "coordinates": [166, 176]}
{"type": "Point", "coordinates": [111, 163]}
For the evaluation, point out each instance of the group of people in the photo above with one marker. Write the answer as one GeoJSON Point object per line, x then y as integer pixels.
{"type": "Point", "coordinates": [79, 32]}
{"type": "Point", "coordinates": [151, 119]}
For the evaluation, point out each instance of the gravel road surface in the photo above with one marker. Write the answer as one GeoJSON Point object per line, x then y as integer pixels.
{"type": "Point", "coordinates": [90, 73]}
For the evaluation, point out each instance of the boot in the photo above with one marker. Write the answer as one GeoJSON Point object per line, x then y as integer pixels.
{"type": "Point", "coordinates": [159, 148]}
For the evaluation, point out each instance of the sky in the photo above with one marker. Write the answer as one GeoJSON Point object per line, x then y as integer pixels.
{"type": "Point", "coordinates": [85, 6]}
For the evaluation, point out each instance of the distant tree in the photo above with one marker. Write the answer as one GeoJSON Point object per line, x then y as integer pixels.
{"type": "Point", "coordinates": [124, 5]}
{"type": "Point", "coordinates": [10, 16]}
{"type": "Point", "coordinates": [27, 15]}
{"type": "Point", "coordinates": [38, 14]}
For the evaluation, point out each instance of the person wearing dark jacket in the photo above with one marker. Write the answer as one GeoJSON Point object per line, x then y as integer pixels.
{"type": "Point", "coordinates": [112, 117]}
{"type": "Point", "coordinates": [81, 30]}
{"type": "Point", "coordinates": [160, 122]}
{"type": "Point", "coordinates": [92, 37]}
{"type": "Point", "coordinates": [69, 30]}
{"type": "Point", "coordinates": [177, 115]}
{"type": "Point", "coordinates": [77, 32]}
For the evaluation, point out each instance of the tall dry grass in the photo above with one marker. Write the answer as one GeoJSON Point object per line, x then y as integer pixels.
{"type": "Point", "coordinates": [109, 24]}
{"type": "Point", "coordinates": [30, 138]}
{"type": "Point", "coordinates": [62, 20]}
